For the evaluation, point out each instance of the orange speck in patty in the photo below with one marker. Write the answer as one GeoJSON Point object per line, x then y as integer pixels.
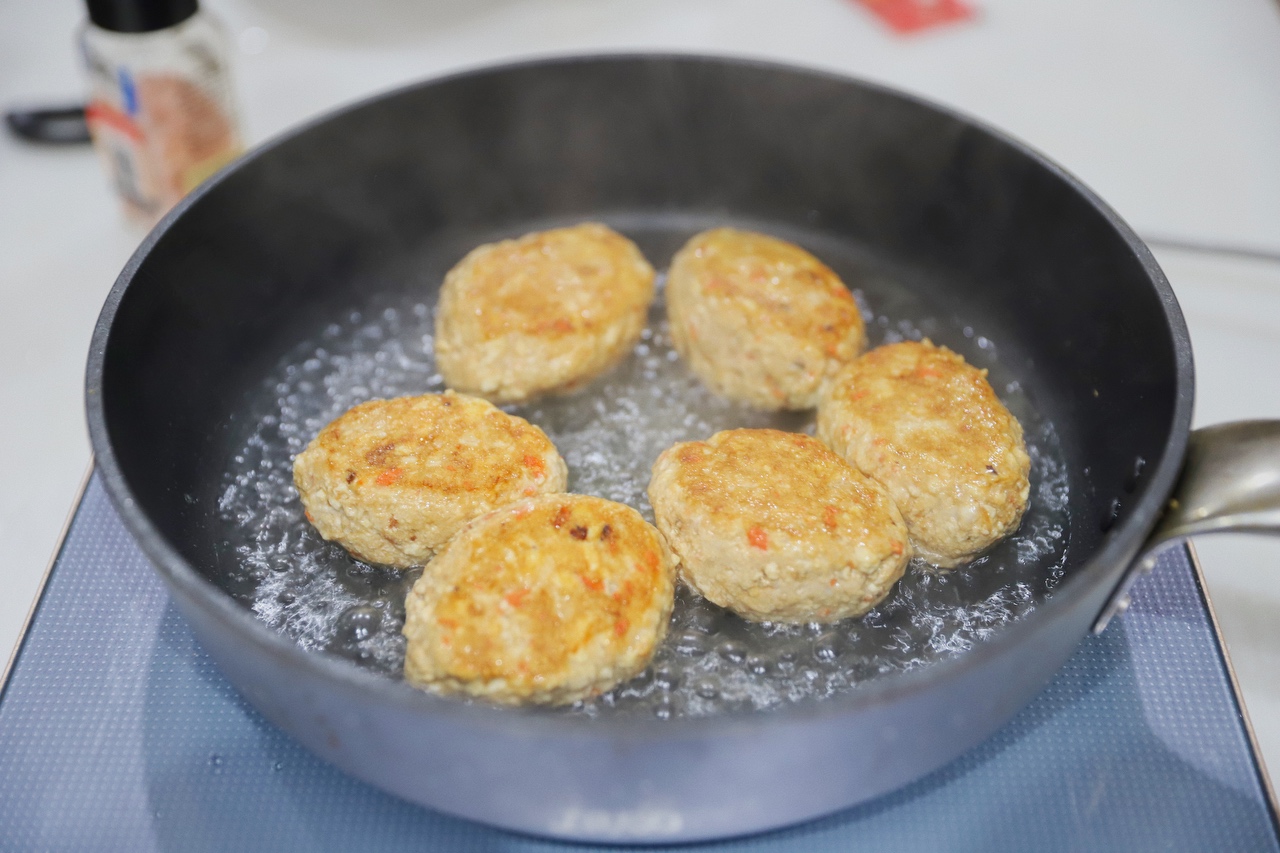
{"type": "Point", "coordinates": [560, 325]}
{"type": "Point", "coordinates": [718, 286]}
{"type": "Point", "coordinates": [651, 561]}
{"type": "Point", "coordinates": [389, 476]}
{"type": "Point", "coordinates": [593, 584]}
{"type": "Point", "coordinates": [620, 627]}
{"type": "Point", "coordinates": [927, 373]}
{"type": "Point", "coordinates": [516, 597]}
{"type": "Point", "coordinates": [897, 547]}
{"type": "Point", "coordinates": [309, 516]}
{"type": "Point", "coordinates": [535, 464]}
{"type": "Point", "coordinates": [758, 538]}
{"type": "Point", "coordinates": [829, 516]}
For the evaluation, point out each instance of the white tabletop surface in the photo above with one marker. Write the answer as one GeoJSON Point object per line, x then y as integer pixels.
{"type": "Point", "coordinates": [1171, 111]}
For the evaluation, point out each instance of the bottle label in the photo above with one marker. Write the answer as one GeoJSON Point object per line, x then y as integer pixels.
{"type": "Point", "coordinates": [160, 131]}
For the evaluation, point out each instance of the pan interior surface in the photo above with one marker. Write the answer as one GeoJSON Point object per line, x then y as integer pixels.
{"type": "Point", "coordinates": [610, 434]}
{"type": "Point", "coordinates": [303, 281]}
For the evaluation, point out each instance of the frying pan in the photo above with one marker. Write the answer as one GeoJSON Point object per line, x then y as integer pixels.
{"type": "Point", "coordinates": [384, 196]}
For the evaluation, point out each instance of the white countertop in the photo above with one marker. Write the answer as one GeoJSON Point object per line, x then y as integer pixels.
{"type": "Point", "coordinates": [1171, 112]}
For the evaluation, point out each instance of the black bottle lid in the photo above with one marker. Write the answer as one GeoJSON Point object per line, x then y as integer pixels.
{"type": "Point", "coordinates": [139, 16]}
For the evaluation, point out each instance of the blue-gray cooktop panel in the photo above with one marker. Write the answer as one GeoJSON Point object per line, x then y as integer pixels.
{"type": "Point", "coordinates": [117, 733]}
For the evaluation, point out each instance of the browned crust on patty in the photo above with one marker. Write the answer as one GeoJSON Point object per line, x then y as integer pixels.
{"type": "Point", "coordinates": [759, 319]}
{"type": "Point", "coordinates": [544, 313]}
{"type": "Point", "coordinates": [549, 600]}
{"type": "Point", "coordinates": [392, 480]}
{"type": "Point", "coordinates": [922, 421]}
{"type": "Point", "coordinates": [776, 527]}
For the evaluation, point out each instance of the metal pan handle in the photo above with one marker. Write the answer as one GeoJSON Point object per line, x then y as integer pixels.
{"type": "Point", "coordinates": [1230, 482]}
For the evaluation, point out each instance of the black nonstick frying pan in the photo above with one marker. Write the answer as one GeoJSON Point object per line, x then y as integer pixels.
{"type": "Point", "coordinates": [302, 278]}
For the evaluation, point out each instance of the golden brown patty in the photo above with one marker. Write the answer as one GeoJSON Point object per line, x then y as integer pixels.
{"type": "Point", "coordinates": [545, 313]}
{"type": "Point", "coordinates": [760, 320]}
{"type": "Point", "coordinates": [776, 527]}
{"type": "Point", "coordinates": [392, 480]}
{"type": "Point", "coordinates": [549, 600]}
{"type": "Point", "coordinates": [927, 425]}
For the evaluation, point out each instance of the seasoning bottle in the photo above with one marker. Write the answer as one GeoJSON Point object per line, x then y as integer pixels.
{"type": "Point", "coordinates": [160, 107]}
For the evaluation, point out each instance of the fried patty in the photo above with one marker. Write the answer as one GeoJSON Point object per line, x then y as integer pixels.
{"type": "Point", "coordinates": [776, 527]}
{"type": "Point", "coordinates": [928, 426]}
{"type": "Point", "coordinates": [392, 480]}
{"type": "Point", "coordinates": [545, 313]}
{"type": "Point", "coordinates": [760, 320]}
{"type": "Point", "coordinates": [546, 601]}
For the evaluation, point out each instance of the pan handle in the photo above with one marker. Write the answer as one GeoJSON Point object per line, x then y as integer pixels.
{"type": "Point", "coordinates": [49, 125]}
{"type": "Point", "coordinates": [1230, 482]}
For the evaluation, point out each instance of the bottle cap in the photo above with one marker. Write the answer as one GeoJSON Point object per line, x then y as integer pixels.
{"type": "Point", "coordinates": [139, 16]}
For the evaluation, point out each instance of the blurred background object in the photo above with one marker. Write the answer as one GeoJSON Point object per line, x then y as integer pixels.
{"type": "Point", "coordinates": [1171, 112]}
{"type": "Point", "coordinates": [910, 16]}
{"type": "Point", "coordinates": [49, 125]}
{"type": "Point", "coordinates": [160, 107]}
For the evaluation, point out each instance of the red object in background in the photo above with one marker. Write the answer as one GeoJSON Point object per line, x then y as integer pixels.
{"type": "Point", "coordinates": [910, 16]}
{"type": "Point", "coordinates": [102, 113]}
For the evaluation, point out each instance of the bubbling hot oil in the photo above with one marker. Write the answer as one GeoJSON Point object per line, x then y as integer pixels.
{"type": "Point", "coordinates": [610, 434]}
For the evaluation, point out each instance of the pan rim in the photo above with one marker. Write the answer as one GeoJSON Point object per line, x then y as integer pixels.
{"type": "Point", "coordinates": [1118, 546]}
